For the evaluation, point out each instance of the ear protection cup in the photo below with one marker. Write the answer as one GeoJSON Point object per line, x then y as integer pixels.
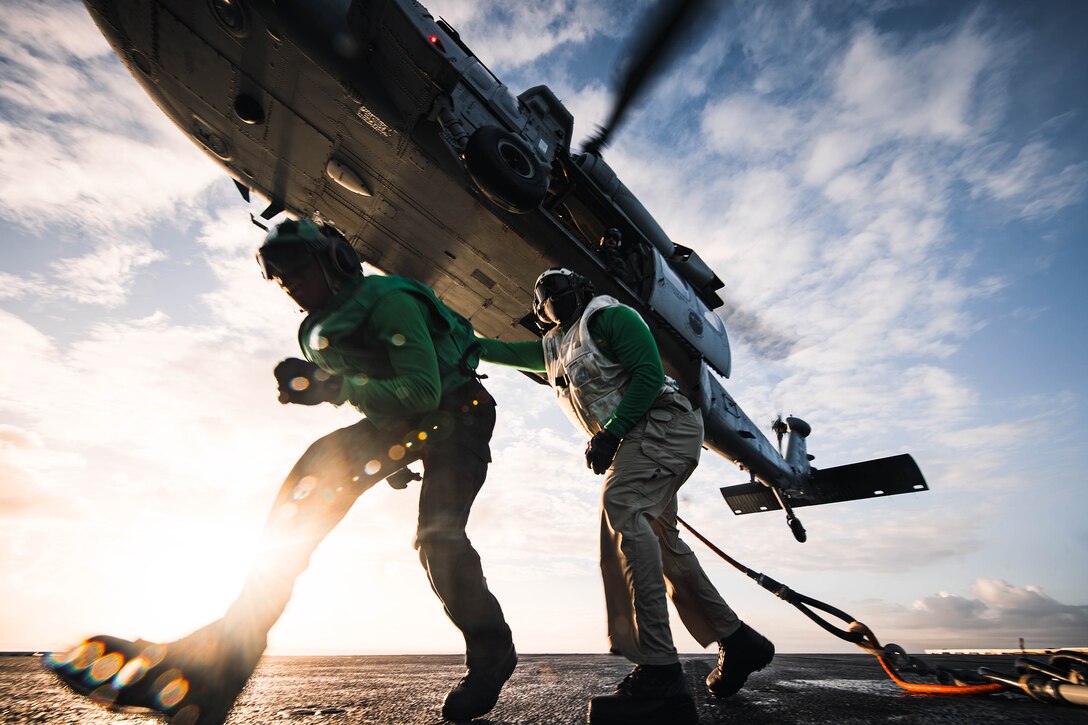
{"type": "Point", "coordinates": [296, 240]}
{"type": "Point", "coordinates": [343, 257]}
{"type": "Point", "coordinates": [340, 257]}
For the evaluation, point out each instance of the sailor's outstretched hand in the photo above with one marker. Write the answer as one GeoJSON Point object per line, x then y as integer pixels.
{"type": "Point", "coordinates": [304, 383]}
{"type": "Point", "coordinates": [600, 451]}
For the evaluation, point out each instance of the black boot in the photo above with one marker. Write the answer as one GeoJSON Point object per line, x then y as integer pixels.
{"type": "Point", "coordinates": [654, 694]}
{"type": "Point", "coordinates": [193, 681]}
{"type": "Point", "coordinates": [478, 690]}
{"type": "Point", "coordinates": [739, 655]}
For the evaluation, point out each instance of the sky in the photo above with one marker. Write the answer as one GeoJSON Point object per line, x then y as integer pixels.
{"type": "Point", "coordinates": [893, 193]}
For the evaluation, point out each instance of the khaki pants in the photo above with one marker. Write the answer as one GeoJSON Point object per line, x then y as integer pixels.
{"type": "Point", "coordinates": [642, 556]}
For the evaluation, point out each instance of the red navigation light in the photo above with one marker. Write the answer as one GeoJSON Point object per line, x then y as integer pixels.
{"type": "Point", "coordinates": [437, 42]}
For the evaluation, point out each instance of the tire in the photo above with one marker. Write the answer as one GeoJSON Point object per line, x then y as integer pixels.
{"type": "Point", "coordinates": [505, 169]}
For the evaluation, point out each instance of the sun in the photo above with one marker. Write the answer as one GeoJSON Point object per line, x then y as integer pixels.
{"type": "Point", "coordinates": [181, 579]}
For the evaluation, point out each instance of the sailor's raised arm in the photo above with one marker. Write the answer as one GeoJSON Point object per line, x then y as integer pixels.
{"type": "Point", "coordinates": [525, 355]}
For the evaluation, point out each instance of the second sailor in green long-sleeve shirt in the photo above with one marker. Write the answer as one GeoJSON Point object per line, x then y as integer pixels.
{"type": "Point", "coordinates": [601, 359]}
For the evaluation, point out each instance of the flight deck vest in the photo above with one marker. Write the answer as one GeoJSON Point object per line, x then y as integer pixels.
{"type": "Point", "coordinates": [588, 385]}
{"type": "Point", "coordinates": [330, 337]}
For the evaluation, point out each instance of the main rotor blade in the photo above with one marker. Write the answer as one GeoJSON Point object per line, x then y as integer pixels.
{"type": "Point", "coordinates": [669, 23]}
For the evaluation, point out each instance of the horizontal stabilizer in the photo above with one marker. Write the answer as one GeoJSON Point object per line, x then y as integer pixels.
{"type": "Point", "coordinates": [855, 481]}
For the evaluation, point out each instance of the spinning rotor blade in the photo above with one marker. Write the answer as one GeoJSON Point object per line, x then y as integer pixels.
{"type": "Point", "coordinates": [670, 22]}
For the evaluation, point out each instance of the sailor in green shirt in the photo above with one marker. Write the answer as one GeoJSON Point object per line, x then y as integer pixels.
{"type": "Point", "coordinates": [605, 368]}
{"type": "Point", "coordinates": [390, 348]}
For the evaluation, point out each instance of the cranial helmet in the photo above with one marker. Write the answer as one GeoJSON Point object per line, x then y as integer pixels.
{"type": "Point", "coordinates": [292, 244]}
{"type": "Point", "coordinates": [559, 295]}
{"type": "Point", "coordinates": [611, 239]}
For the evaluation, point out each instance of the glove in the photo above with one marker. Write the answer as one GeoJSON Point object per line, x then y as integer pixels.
{"type": "Point", "coordinates": [304, 383]}
{"type": "Point", "coordinates": [600, 451]}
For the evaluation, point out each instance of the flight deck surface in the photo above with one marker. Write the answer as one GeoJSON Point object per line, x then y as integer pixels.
{"type": "Point", "coordinates": [546, 689]}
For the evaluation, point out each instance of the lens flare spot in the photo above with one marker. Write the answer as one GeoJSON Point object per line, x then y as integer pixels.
{"type": "Point", "coordinates": [396, 453]}
{"type": "Point", "coordinates": [422, 435]}
{"type": "Point", "coordinates": [60, 659]}
{"type": "Point", "coordinates": [154, 654]}
{"type": "Point", "coordinates": [303, 488]}
{"type": "Point", "coordinates": [372, 467]}
{"type": "Point", "coordinates": [132, 672]}
{"type": "Point", "coordinates": [88, 653]}
{"type": "Point", "coordinates": [322, 342]}
{"type": "Point", "coordinates": [299, 384]}
{"type": "Point", "coordinates": [287, 511]}
{"type": "Point", "coordinates": [475, 402]}
{"type": "Point", "coordinates": [187, 715]}
{"type": "Point", "coordinates": [107, 666]}
{"type": "Point", "coordinates": [398, 339]}
{"type": "Point", "coordinates": [105, 695]}
{"type": "Point", "coordinates": [361, 379]}
{"type": "Point", "coordinates": [172, 688]}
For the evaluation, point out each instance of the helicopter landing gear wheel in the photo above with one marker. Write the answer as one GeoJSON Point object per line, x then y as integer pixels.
{"type": "Point", "coordinates": [504, 168]}
{"type": "Point", "coordinates": [792, 521]}
{"type": "Point", "coordinates": [798, 530]}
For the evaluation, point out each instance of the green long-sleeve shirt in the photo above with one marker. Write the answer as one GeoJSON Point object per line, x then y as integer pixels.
{"type": "Point", "coordinates": [397, 373]}
{"type": "Point", "coordinates": [398, 349]}
{"type": "Point", "coordinates": [623, 337]}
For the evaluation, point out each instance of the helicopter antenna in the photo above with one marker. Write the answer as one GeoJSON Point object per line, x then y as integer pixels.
{"type": "Point", "coordinates": [671, 21]}
{"type": "Point", "coordinates": [779, 427]}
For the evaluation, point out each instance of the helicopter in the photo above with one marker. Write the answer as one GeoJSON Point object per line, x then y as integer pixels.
{"type": "Point", "coordinates": [376, 118]}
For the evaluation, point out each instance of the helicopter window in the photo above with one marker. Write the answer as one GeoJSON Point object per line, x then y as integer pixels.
{"type": "Point", "coordinates": [480, 77]}
{"type": "Point", "coordinates": [713, 319]}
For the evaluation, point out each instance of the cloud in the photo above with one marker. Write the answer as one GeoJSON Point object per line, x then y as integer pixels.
{"type": "Point", "coordinates": [26, 490]}
{"type": "Point", "coordinates": [509, 35]}
{"type": "Point", "coordinates": [863, 539]}
{"type": "Point", "coordinates": [103, 276]}
{"type": "Point", "coordinates": [750, 126]}
{"type": "Point", "coordinates": [16, 286]}
{"type": "Point", "coordinates": [14, 437]}
{"type": "Point", "coordinates": [76, 162]}
{"type": "Point", "coordinates": [85, 154]}
{"type": "Point", "coordinates": [1036, 181]}
{"type": "Point", "coordinates": [242, 300]}
{"type": "Point", "coordinates": [1001, 613]}
{"type": "Point", "coordinates": [66, 24]}
{"type": "Point", "coordinates": [920, 92]}
{"type": "Point", "coordinates": [832, 222]}
{"type": "Point", "coordinates": [151, 386]}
